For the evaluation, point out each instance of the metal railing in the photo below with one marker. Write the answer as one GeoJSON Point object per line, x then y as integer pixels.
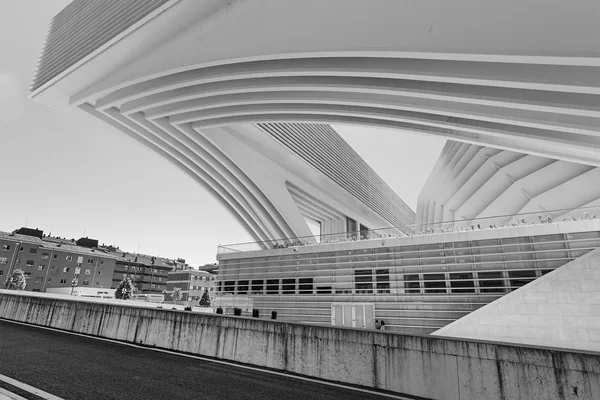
{"type": "Point", "coordinates": [485, 223]}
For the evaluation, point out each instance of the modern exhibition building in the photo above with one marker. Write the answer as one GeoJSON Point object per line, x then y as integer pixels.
{"type": "Point", "coordinates": [240, 94]}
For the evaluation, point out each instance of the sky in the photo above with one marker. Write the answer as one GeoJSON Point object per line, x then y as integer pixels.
{"type": "Point", "coordinates": [74, 176]}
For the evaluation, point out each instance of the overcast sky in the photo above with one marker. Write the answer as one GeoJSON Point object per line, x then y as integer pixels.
{"type": "Point", "coordinates": [76, 176]}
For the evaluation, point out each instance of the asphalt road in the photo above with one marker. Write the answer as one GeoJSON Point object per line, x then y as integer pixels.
{"type": "Point", "coordinates": [80, 368]}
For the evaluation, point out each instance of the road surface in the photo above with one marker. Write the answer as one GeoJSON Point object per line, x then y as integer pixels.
{"type": "Point", "coordinates": [81, 368]}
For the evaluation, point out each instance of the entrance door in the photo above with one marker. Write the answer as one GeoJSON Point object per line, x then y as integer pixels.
{"type": "Point", "coordinates": [353, 315]}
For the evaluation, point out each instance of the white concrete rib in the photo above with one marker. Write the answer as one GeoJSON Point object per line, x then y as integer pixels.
{"type": "Point", "coordinates": [546, 110]}
{"type": "Point", "coordinates": [504, 183]}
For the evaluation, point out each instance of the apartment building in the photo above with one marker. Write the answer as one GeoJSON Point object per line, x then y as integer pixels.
{"type": "Point", "coordinates": [193, 283]}
{"type": "Point", "coordinates": [53, 264]}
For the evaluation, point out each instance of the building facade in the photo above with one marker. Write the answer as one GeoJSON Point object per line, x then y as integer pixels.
{"type": "Point", "coordinates": [148, 273]}
{"type": "Point", "coordinates": [193, 283]}
{"type": "Point", "coordinates": [416, 284]}
{"type": "Point", "coordinates": [54, 265]}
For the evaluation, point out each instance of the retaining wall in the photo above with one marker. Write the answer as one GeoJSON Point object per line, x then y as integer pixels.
{"type": "Point", "coordinates": [426, 366]}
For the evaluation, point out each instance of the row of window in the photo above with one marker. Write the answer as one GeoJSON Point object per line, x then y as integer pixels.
{"type": "Point", "coordinates": [143, 269]}
{"type": "Point", "coordinates": [203, 278]}
{"type": "Point", "coordinates": [466, 248]}
{"type": "Point", "coordinates": [378, 281]}
{"type": "Point", "coordinates": [134, 276]}
{"type": "Point", "coordinates": [46, 256]}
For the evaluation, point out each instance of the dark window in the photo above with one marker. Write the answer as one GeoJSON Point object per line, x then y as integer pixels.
{"type": "Point", "coordinates": [491, 282]}
{"type": "Point", "coordinates": [383, 280]}
{"type": "Point", "coordinates": [462, 283]}
{"type": "Point", "coordinates": [272, 286]}
{"type": "Point", "coordinates": [6, 247]}
{"type": "Point", "coordinates": [288, 286]}
{"type": "Point", "coordinates": [364, 231]}
{"type": "Point", "coordinates": [412, 284]}
{"type": "Point", "coordinates": [32, 251]}
{"type": "Point", "coordinates": [351, 227]}
{"type": "Point", "coordinates": [29, 263]}
{"type": "Point", "coordinates": [323, 289]}
{"type": "Point", "coordinates": [434, 283]}
{"type": "Point", "coordinates": [363, 281]}
{"type": "Point", "coordinates": [229, 286]}
{"type": "Point", "coordinates": [258, 286]}
{"type": "Point", "coordinates": [305, 286]}
{"type": "Point", "coordinates": [521, 278]}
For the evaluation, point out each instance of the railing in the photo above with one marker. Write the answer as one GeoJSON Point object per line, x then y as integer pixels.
{"type": "Point", "coordinates": [494, 222]}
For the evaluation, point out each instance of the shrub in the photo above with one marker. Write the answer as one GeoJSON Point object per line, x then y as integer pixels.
{"type": "Point", "coordinates": [176, 295]}
{"type": "Point", "coordinates": [125, 289]}
{"type": "Point", "coordinates": [16, 280]}
{"type": "Point", "coordinates": [219, 310]}
{"type": "Point", "coordinates": [188, 308]}
{"type": "Point", "coordinates": [205, 300]}
{"type": "Point", "coordinates": [237, 311]}
{"type": "Point", "coordinates": [255, 313]}
{"type": "Point", "coordinates": [273, 314]}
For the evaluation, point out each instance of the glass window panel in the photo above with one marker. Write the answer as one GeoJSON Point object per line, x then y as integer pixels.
{"type": "Point", "coordinates": [491, 282]}
{"type": "Point", "coordinates": [434, 283]}
{"type": "Point", "coordinates": [229, 286]}
{"type": "Point", "coordinates": [520, 265]}
{"type": "Point", "coordinates": [257, 286]}
{"type": "Point", "coordinates": [323, 289]}
{"type": "Point", "coordinates": [521, 278]}
{"type": "Point", "coordinates": [363, 281]}
{"type": "Point", "coordinates": [305, 286]}
{"type": "Point", "coordinates": [545, 255]}
{"type": "Point", "coordinates": [462, 283]}
{"type": "Point", "coordinates": [383, 280]}
{"type": "Point", "coordinates": [242, 287]}
{"type": "Point", "coordinates": [272, 286]}
{"type": "Point", "coordinates": [412, 284]}
{"type": "Point", "coordinates": [288, 286]}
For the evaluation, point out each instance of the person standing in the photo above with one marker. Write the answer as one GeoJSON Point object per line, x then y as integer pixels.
{"type": "Point", "coordinates": [377, 324]}
{"type": "Point", "coordinates": [382, 325]}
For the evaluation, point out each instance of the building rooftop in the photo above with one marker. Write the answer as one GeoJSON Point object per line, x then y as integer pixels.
{"type": "Point", "coordinates": [77, 249]}
{"type": "Point", "coordinates": [20, 238]}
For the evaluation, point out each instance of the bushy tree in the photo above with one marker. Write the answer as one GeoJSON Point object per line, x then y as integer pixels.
{"type": "Point", "coordinates": [16, 280]}
{"type": "Point", "coordinates": [205, 300]}
{"type": "Point", "coordinates": [176, 295]}
{"type": "Point", "coordinates": [125, 290]}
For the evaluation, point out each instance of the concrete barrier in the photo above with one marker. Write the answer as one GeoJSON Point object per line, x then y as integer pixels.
{"type": "Point", "coordinates": [425, 366]}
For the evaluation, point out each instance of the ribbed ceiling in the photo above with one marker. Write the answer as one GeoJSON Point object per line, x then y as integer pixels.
{"type": "Point", "coordinates": [81, 28]}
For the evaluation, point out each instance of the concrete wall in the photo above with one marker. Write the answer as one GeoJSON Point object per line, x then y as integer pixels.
{"type": "Point", "coordinates": [436, 368]}
{"type": "Point", "coordinates": [560, 309]}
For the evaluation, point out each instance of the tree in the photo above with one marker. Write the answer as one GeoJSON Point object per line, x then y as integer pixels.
{"type": "Point", "coordinates": [176, 295]}
{"type": "Point", "coordinates": [125, 290]}
{"type": "Point", "coordinates": [16, 280]}
{"type": "Point", "coordinates": [205, 300]}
